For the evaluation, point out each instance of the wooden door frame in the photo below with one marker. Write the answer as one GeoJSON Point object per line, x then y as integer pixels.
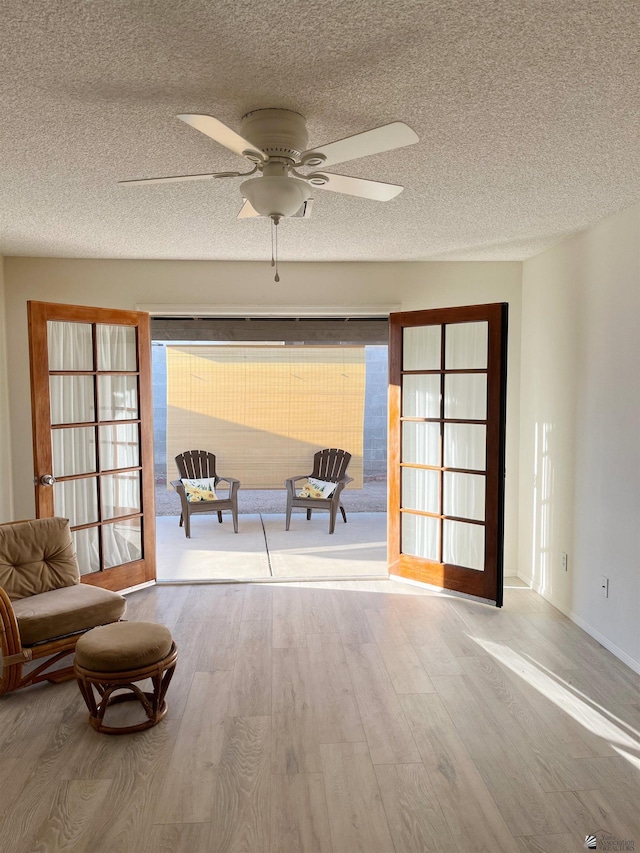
{"type": "Point", "coordinates": [138, 571]}
{"type": "Point", "coordinates": [487, 585]}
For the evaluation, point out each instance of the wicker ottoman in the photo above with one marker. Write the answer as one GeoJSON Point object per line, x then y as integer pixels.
{"type": "Point", "coordinates": [114, 657]}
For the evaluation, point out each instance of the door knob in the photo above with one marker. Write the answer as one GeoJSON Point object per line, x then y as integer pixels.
{"type": "Point", "coordinates": [47, 480]}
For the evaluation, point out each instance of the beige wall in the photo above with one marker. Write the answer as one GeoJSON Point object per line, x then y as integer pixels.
{"type": "Point", "coordinates": [6, 492]}
{"type": "Point", "coordinates": [580, 429]}
{"type": "Point", "coordinates": [126, 284]}
{"type": "Point", "coordinates": [577, 396]}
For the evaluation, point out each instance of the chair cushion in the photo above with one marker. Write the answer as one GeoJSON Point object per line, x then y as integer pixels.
{"type": "Point", "coordinates": [36, 556]}
{"type": "Point", "coordinates": [200, 490]}
{"type": "Point", "coordinates": [65, 611]}
{"type": "Point", "coordinates": [314, 488]}
{"type": "Point", "coordinates": [123, 646]}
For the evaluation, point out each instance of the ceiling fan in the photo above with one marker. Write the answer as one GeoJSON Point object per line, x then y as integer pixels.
{"type": "Point", "coordinates": [275, 142]}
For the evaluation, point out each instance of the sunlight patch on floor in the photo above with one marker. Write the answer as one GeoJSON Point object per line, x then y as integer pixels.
{"type": "Point", "coordinates": [584, 710]}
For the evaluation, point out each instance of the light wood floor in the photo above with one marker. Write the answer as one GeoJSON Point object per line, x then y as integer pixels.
{"type": "Point", "coordinates": [354, 717]}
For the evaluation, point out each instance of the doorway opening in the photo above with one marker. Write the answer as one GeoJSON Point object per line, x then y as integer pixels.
{"type": "Point", "coordinates": [263, 395]}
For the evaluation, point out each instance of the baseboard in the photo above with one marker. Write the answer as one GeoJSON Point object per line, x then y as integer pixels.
{"type": "Point", "coordinates": [586, 627]}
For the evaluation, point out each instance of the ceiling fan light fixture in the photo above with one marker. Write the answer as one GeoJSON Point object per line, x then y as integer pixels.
{"type": "Point", "coordinates": [276, 195]}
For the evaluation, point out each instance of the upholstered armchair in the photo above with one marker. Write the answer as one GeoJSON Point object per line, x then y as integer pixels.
{"type": "Point", "coordinates": [44, 608]}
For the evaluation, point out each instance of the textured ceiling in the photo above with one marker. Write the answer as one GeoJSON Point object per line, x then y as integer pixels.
{"type": "Point", "coordinates": [527, 112]}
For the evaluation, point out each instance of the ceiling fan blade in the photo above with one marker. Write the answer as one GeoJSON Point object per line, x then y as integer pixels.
{"type": "Point", "coordinates": [180, 178]}
{"type": "Point", "coordinates": [215, 129]}
{"type": "Point", "coordinates": [247, 211]}
{"type": "Point", "coordinates": [376, 190]}
{"type": "Point", "coordinates": [380, 139]}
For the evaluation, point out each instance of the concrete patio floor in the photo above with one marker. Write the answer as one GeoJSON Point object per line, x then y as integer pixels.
{"type": "Point", "coordinates": [263, 550]}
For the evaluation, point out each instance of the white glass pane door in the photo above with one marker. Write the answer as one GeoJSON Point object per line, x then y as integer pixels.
{"type": "Point", "coordinates": [93, 447]}
{"type": "Point", "coordinates": [92, 460]}
{"type": "Point", "coordinates": [439, 398]}
{"type": "Point", "coordinates": [446, 402]}
{"type": "Point", "coordinates": [96, 363]}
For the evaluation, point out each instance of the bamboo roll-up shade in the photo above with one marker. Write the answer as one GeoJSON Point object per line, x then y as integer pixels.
{"type": "Point", "coordinates": [265, 410]}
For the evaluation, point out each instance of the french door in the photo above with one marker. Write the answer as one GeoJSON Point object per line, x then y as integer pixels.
{"type": "Point", "coordinates": [447, 404]}
{"type": "Point", "coordinates": [93, 436]}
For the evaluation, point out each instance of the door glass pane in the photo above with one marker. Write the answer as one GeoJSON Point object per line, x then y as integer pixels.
{"type": "Point", "coordinates": [70, 345]}
{"type": "Point", "coordinates": [463, 544]}
{"type": "Point", "coordinates": [421, 443]}
{"type": "Point", "coordinates": [74, 451]}
{"type": "Point", "coordinates": [86, 544]}
{"type": "Point", "coordinates": [119, 446]}
{"type": "Point", "coordinates": [117, 398]}
{"type": "Point", "coordinates": [465, 396]}
{"type": "Point", "coordinates": [76, 500]}
{"type": "Point", "coordinates": [122, 542]}
{"type": "Point", "coordinates": [421, 396]}
{"type": "Point", "coordinates": [72, 400]}
{"type": "Point", "coordinates": [464, 495]}
{"type": "Point", "coordinates": [419, 536]}
{"type": "Point", "coordinates": [117, 348]}
{"type": "Point", "coordinates": [120, 494]}
{"type": "Point", "coordinates": [465, 446]}
{"type": "Point", "coordinates": [465, 346]}
{"type": "Point", "coordinates": [421, 348]}
{"type": "Point", "coordinates": [420, 489]}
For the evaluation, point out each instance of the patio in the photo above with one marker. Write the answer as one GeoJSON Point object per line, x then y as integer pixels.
{"type": "Point", "coordinates": [263, 550]}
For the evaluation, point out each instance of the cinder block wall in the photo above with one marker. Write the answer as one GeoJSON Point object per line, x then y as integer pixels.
{"type": "Point", "coordinates": [159, 382]}
{"type": "Point", "coordinates": [375, 412]}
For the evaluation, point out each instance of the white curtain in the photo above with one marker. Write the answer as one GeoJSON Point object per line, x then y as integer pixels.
{"type": "Point", "coordinates": [116, 347]}
{"type": "Point", "coordinates": [122, 542]}
{"type": "Point", "coordinates": [463, 544]}
{"type": "Point", "coordinates": [420, 536]}
{"type": "Point", "coordinates": [74, 448]}
{"type": "Point", "coordinates": [465, 398]}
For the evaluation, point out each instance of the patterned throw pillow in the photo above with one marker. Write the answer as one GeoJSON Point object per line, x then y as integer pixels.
{"type": "Point", "coordinates": [198, 491]}
{"type": "Point", "coordinates": [317, 489]}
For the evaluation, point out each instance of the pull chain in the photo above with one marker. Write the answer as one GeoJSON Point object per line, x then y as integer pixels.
{"type": "Point", "coordinates": [275, 221]}
{"type": "Point", "coordinates": [273, 263]}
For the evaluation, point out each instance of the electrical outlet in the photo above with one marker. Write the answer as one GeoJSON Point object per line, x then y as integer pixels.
{"type": "Point", "coordinates": [604, 586]}
{"type": "Point", "coordinates": [565, 561]}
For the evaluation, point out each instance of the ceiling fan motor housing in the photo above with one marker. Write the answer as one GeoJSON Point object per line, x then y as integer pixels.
{"type": "Point", "coordinates": [279, 133]}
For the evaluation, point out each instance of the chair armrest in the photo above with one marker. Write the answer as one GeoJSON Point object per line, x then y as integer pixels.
{"type": "Point", "coordinates": [290, 483]}
{"type": "Point", "coordinates": [10, 642]}
{"type": "Point", "coordinates": [335, 496]}
{"type": "Point", "coordinates": [234, 484]}
{"type": "Point", "coordinates": [184, 503]}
